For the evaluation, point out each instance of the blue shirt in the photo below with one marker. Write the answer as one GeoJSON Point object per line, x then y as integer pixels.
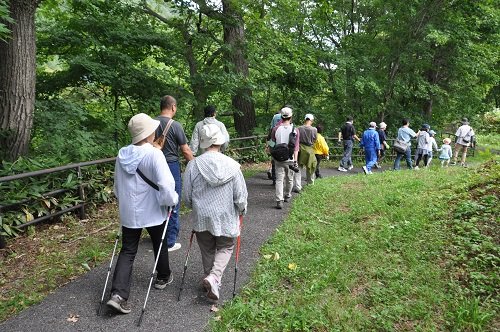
{"type": "Point", "coordinates": [370, 139]}
{"type": "Point", "coordinates": [406, 134]}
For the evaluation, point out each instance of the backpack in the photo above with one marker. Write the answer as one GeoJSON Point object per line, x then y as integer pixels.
{"type": "Point", "coordinates": [284, 151]}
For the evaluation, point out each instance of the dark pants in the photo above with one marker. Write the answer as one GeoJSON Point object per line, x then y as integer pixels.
{"type": "Point", "coordinates": [420, 157]}
{"type": "Point", "coordinates": [318, 160]}
{"type": "Point", "coordinates": [173, 224]}
{"type": "Point", "coordinates": [130, 242]}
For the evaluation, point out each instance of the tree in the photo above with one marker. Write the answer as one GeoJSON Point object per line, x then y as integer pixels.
{"type": "Point", "coordinates": [17, 80]}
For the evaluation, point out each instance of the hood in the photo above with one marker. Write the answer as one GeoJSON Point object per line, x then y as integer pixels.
{"type": "Point", "coordinates": [216, 168]}
{"type": "Point", "coordinates": [130, 156]}
{"type": "Point", "coordinates": [209, 120]}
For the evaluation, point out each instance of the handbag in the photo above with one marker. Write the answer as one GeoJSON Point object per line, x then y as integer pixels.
{"type": "Point", "coordinates": [160, 141]}
{"type": "Point", "coordinates": [400, 146]}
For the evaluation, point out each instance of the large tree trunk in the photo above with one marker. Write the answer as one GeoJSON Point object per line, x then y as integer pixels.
{"type": "Point", "coordinates": [234, 39]}
{"type": "Point", "coordinates": [17, 81]}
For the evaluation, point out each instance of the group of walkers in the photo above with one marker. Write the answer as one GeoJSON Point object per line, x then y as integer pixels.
{"type": "Point", "coordinates": [149, 190]}
{"type": "Point", "coordinates": [149, 186]}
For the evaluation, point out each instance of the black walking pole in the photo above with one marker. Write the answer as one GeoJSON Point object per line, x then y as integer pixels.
{"type": "Point", "coordinates": [154, 267]}
{"type": "Point", "coordinates": [107, 276]}
{"type": "Point", "coordinates": [185, 266]}
{"type": "Point", "coordinates": [238, 245]}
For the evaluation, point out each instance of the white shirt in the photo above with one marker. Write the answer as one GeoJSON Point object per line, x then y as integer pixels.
{"type": "Point", "coordinates": [139, 204]}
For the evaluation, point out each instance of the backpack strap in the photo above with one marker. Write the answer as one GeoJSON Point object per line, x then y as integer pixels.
{"type": "Point", "coordinates": [148, 181]}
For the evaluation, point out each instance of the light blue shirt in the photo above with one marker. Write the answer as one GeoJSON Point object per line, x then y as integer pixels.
{"type": "Point", "coordinates": [406, 134]}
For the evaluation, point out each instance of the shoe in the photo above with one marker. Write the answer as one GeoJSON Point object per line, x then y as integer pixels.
{"type": "Point", "coordinates": [212, 287]}
{"type": "Point", "coordinates": [119, 304]}
{"type": "Point", "coordinates": [296, 190]}
{"type": "Point", "coordinates": [377, 166]}
{"type": "Point", "coordinates": [464, 165]}
{"type": "Point", "coordinates": [342, 169]}
{"type": "Point", "coordinates": [318, 176]}
{"type": "Point", "coordinates": [287, 199]}
{"type": "Point", "coordinates": [269, 174]}
{"type": "Point", "coordinates": [365, 170]}
{"type": "Point", "coordinates": [175, 247]}
{"type": "Point", "coordinates": [416, 168]}
{"type": "Point", "coordinates": [370, 172]}
{"type": "Point", "coordinates": [350, 167]}
{"type": "Point", "coordinates": [453, 163]}
{"type": "Point", "coordinates": [274, 183]}
{"type": "Point", "coordinates": [162, 283]}
{"type": "Point", "coordinates": [279, 205]}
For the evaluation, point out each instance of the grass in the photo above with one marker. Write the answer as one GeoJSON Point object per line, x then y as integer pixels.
{"type": "Point", "coordinates": [387, 252]}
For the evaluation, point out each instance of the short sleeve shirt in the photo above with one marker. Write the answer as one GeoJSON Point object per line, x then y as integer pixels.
{"type": "Point", "coordinates": [348, 131]}
{"type": "Point", "coordinates": [175, 138]}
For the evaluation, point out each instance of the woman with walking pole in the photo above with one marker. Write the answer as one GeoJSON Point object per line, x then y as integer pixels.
{"type": "Point", "coordinates": [215, 189]}
{"type": "Point", "coordinates": [144, 188]}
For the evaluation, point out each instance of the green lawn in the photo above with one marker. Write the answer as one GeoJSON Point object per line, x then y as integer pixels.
{"type": "Point", "coordinates": [396, 251]}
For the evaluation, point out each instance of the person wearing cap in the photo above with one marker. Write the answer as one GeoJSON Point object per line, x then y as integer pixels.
{"type": "Point", "coordinates": [371, 144]}
{"type": "Point", "coordinates": [383, 143]}
{"type": "Point", "coordinates": [307, 158]}
{"type": "Point", "coordinates": [347, 135]}
{"type": "Point", "coordinates": [175, 141]}
{"type": "Point", "coordinates": [214, 187]}
{"type": "Point", "coordinates": [141, 206]}
{"type": "Point", "coordinates": [432, 145]}
{"type": "Point", "coordinates": [210, 113]}
{"type": "Point", "coordinates": [281, 134]}
{"type": "Point", "coordinates": [423, 139]}
{"type": "Point", "coordinates": [464, 139]}
{"type": "Point", "coordinates": [405, 134]}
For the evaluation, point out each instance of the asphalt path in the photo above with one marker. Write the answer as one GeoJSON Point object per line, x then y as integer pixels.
{"type": "Point", "coordinates": [73, 307]}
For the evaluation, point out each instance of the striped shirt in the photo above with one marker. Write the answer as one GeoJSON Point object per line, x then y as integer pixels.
{"type": "Point", "coordinates": [214, 187]}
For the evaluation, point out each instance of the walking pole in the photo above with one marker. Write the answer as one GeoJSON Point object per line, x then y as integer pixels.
{"type": "Point", "coordinates": [107, 276]}
{"type": "Point", "coordinates": [185, 266]}
{"type": "Point", "coordinates": [154, 267]}
{"type": "Point", "coordinates": [238, 245]}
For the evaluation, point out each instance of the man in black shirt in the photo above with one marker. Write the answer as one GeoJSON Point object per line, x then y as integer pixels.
{"type": "Point", "coordinates": [347, 134]}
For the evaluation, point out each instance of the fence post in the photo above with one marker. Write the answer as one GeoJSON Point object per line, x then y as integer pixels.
{"type": "Point", "coordinates": [81, 193]}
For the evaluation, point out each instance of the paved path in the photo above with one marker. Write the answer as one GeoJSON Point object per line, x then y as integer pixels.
{"type": "Point", "coordinates": [163, 312]}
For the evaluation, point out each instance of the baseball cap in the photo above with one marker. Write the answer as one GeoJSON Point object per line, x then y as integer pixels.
{"type": "Point", "coordinates": [309, 116]}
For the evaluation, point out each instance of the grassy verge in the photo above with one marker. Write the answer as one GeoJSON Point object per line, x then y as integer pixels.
{"type": "Point", "coordinates": [396, 251]}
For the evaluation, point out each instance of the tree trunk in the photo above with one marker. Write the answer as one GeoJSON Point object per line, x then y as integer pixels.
{"type": "Point", "coordinates": [234, 39]}
{"type": "Point", "coordinates": [17, 81]}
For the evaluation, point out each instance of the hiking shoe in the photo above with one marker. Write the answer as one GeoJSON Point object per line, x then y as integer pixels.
{"type": "Point", "coordinates": [175, 247]}
{"type": "Point", "coordinates": [162, 283]}
{"type": "Point", "coordinates": [350, 167]}
{"type": "Point", "coordinates": [342, 169]}
{"type": "Point", "coordinates": [365, 170]}
{"type": "Point", "coordinates": [279, 205]}
{"type": "Point", "coordinates": [119, 304]}
{"type": "Point", "coordinates": [212, 287]}
{"type": "Point", "coordinates": [287, 199]}
{"type": "Point", "coordinates": [296, 190]}
{"type": "Point", "coordinates": [377, 166]}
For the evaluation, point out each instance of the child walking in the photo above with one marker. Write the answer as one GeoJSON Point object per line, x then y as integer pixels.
{"type": "Point", "coordinates": [446, 154]}
{"type": "Point", "coordinates": [321, 149]}
{"type": "Point", "coordinates": [422, 141]}
{"type": "Point", "coordinates": [432, 145]}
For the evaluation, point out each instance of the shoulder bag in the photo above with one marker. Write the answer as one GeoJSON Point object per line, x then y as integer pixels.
{"type": "Point", "coordinates": [160, 141]}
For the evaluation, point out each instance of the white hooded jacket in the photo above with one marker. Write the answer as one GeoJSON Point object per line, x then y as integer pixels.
{"type": "Point", "coordinates": [214, 187]}
{"type": "Point", "coordinates": [140, 205]}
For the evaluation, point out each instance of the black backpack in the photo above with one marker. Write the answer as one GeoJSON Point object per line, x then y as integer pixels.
{"type": "Point", "coordinates": [284, 151]}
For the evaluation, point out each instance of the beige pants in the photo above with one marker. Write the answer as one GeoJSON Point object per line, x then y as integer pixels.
{"type": "Point", "coordinates": [216, 252]}
{"type": "Point", "coordinates": [464, 152]}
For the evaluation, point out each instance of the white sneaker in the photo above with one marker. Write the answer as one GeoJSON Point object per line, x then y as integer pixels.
{"type": "Point", "coordinates": [365, 170]}
{"type": "Point", "coordinates": [212, 287]}
{"type": "Point", "coordinates": [416, 168]}
{"type": "Point", "coordinates": [350, 167]}
{"type": "Point", "coordinates": [342, 169]}
{"type": "Point", "coordinates": [175, 247]}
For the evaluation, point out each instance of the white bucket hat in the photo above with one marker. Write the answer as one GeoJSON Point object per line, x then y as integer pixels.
{"type": "Point", "coordinates": [141, 126]}
{"type": "Point", "coordinates": [211, 135]}
{"type": "Point", "coordinates": [382, 125]}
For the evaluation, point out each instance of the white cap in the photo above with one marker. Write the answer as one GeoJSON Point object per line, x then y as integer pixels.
{"type": "Point", "coordinates": [309, 116]}
{"type": "Point", "coordinates": [211, 135]}
{"type": "Point", "coordinates": [373, 125]}
{"type": "Point", "coordinates": [382, 125]}
{"type": "Point", "coordinates": [141, 126]}
{"type": "Point", "coordinates": [286, 112]}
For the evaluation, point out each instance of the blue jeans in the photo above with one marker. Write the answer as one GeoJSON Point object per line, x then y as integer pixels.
{"type": "Point", "coordinates": [407, 156]}
{"type": "Point", "coordinates": [347, 159]}
{"type": "Point", "coordinates": [173, 223]}
{"type": "Point", "coordinates": [370, 158]}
